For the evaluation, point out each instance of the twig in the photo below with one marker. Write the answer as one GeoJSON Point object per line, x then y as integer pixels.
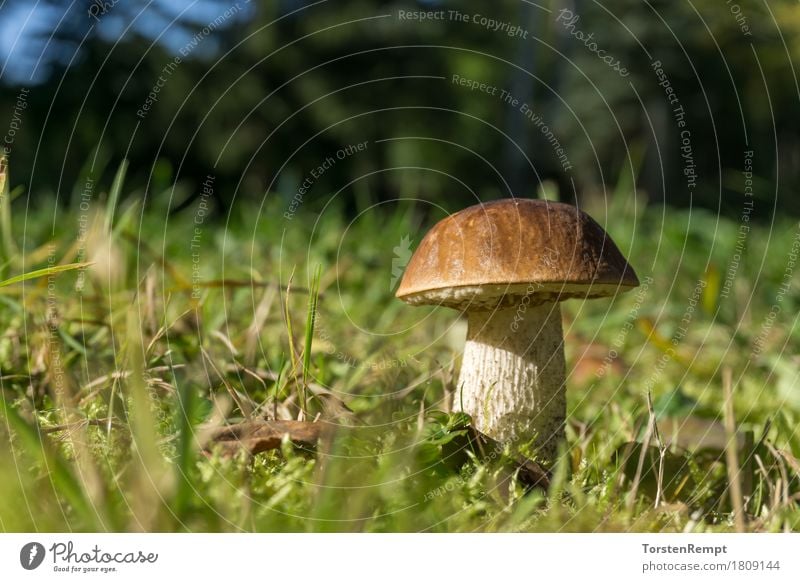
{"type": "Point", "coordinates": [794, 463]}
{"type": "Point", "coordinates": [96, 385]}
{"type": "Point", "coordinates": [260, 435]}
{"type": "Point", "coordinates": [78, 424]}
{"type": "Point", "coordinates": [235, 283]}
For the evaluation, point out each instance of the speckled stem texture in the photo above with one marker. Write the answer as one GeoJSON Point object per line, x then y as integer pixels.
{"type": "Point", "coordinates": [512, 378]}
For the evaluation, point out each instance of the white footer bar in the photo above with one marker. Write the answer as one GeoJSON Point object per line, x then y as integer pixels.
{"type": "Point", "coordinates": [401, 557]}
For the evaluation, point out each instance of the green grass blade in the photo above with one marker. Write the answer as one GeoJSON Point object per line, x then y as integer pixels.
{"type": "Point", "coordinates": [43, 273]}
{"type": "Point", "coordinates": [290, 333]}
{"type": "Point", "coordinates": [62, 477]}
{"type": "Point", "coordinates": [278, 378]}
{"type": "Point", "coordinates": [311, 316]}
{"type": "Point", "coordinates": [150, 488]}
{"type": "Point", "coordinates": [113, 195]}
{"type": "Point", "coordinates": [187, 405]}
{"type": "Point", "coordinates": [8, 250]}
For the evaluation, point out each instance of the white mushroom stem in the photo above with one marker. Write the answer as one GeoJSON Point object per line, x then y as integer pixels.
{"type": "Point", "coordinates": [512, 378]}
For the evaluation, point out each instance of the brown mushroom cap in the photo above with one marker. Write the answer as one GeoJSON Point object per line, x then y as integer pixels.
{"type": "Point", "coordinates": [499, 252]}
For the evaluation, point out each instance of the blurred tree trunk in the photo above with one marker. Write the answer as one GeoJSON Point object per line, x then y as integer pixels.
{"type": "Point", "coordinates": [521, 84]}
{"type": "Point", "coordinates": [658, 171]}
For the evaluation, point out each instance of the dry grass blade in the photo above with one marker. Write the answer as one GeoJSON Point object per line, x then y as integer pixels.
{"type": "Point", "coordinates": [64, 396]}
{"type": "Point", "coordinates": [141, 245]}
{"type": "Point", "coordinates": [8, 247]}
{"type": "Point", "coordinates": [783, 495]}
{"type": "Point", "coordinates": [260, 315]}
{"type": "Point", "coordinates": [225, 340]}
{"type": "Point", "coordinates": [91, 389]}
{"type": "Point", "coordinates": [732, 454]}
{"type": "Point", "coordinates": [246, 407]}
{"type": "Point", "coordinates": [792, 462]}
{"type": "Point", "coordinates": [164, 329]}
{"type": "Point", "coordinates": [294, 356]}
{"type": "Point", "coordinates": [662, 451]}
{"type": "Point", "coordinates": [70, 428]}
{"type": "Point", "coordinates": [648, 436]}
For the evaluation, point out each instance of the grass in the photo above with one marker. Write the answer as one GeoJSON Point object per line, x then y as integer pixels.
{"type": "Point", "coordinates": [110, 377]}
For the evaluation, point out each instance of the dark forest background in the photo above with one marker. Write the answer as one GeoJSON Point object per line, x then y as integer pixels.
{"type": "Point", "coordinates": [265, 91]}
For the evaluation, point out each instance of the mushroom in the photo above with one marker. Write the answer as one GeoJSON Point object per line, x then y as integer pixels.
{"type": "Point", "coordinates": [507, 265]}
